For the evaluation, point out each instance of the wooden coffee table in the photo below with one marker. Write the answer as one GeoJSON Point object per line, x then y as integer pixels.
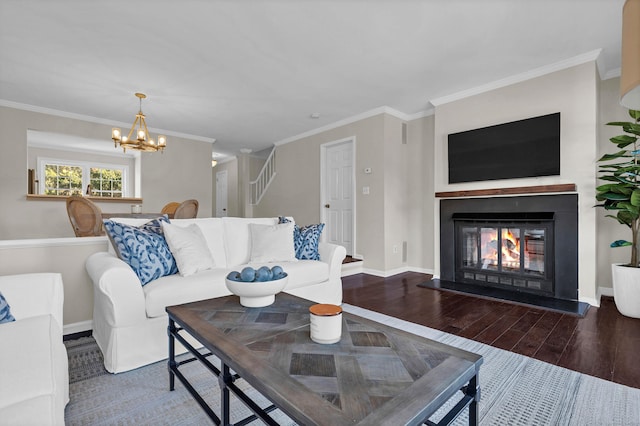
{"type": "Point", "coordinates": [375, 375]}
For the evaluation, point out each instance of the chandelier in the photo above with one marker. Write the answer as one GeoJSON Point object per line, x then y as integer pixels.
{"type": "Point", "coordinates": [142, 140]}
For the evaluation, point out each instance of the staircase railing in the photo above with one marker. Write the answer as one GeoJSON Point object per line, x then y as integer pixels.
{"type": "Point", "coordinates": [264, 179]}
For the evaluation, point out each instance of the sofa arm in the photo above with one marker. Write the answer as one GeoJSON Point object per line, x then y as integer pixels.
{"type": "Point", "coordinates": [31, 295]}
{"type": "Point", "coordinates": [332, 254]}
{"type": "Point", "coordinates": [117, 293]}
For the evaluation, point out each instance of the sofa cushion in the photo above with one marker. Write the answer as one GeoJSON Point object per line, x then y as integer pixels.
{"type": "Point", "coordinates": [301, 272]}
{"type": "Point", "coordinates": [272, 243]}
{"type": "Point", "coordinates": [213, 230]}
{"type": "Point", "coordinates": [175, 290]}
{"type": "Point", "coordinates": [143, 248]}
{"type": "Point", "coordinates": [189, 248]}
{"type": "Point", "coordinates": [237, 238]}
{"type": "Point", "coordinates": [5, 310]}
{"type": "Point", "coordinates": [35, 364]}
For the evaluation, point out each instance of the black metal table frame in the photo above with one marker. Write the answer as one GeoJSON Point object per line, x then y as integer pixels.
{"type": "Point", "coordinates": [225, 380]}
{"type": "Point", "coordinates": [471, 392]}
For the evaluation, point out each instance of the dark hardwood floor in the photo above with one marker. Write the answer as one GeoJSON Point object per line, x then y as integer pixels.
{"type": "Point", "coordinates": [604, 343]}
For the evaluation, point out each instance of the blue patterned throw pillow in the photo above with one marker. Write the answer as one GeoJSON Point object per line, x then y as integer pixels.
{"type": "Point", "coordinates": [305, 240]}
{"type": "Point", "coordinates": [143, 248]}
{"type": "Point", "coordinates": [5, 311]}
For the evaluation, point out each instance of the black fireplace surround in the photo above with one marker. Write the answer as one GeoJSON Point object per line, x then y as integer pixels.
{"type": "Point", "coordinates": [558, 213]}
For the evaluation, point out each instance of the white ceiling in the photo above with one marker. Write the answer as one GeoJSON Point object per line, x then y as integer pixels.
{"type": "Point", "coordinates": [250, 73]}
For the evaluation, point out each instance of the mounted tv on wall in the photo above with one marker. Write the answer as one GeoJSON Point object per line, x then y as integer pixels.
{"type": "Point", "coordinates": [519, 149]}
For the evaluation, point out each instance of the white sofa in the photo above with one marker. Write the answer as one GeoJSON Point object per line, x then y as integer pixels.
{"type": "Point", "coordinates": [130, 321]}
{"type": "Point", "coordinates": [34, 371]}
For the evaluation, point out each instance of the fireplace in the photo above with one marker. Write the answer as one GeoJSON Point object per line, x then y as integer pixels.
{"type": "Point", "coordinates": [524, 247]}
{"type": "Point", "coordinates": [508, 251]}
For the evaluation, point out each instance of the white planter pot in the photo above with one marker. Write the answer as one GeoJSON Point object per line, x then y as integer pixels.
{"type": "Point", "coordinates": [626, 289]}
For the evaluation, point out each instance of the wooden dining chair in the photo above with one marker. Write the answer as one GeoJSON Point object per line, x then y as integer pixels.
{"type": "Point", "coordinates": [170, 209]}
{"type": "Point", "coordinates": [186, 210]}
{"type": "Point", "coordinates": [85, 217]}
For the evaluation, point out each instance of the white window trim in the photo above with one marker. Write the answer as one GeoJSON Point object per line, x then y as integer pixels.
{"type": "Point", "coordinates": [86, 166]}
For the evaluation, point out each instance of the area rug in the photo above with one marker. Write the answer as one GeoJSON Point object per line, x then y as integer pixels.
{"type": "Point", "coordinates": [515, 390]}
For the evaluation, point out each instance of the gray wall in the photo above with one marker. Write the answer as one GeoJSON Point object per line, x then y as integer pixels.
{"type": "Point", "coordinates": [574, 93]}
{"type": "Point", "coordinates": [296, 188]}
{"type": "Point", "coordinates": [609, 230]}
{"type": "Point", "coordinates": [420, 201]}
{"type": "Point", "coordinates": [183, 171]}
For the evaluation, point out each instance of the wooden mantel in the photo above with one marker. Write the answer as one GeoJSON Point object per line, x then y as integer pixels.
{"type": "Point", "coordinates": [565, 187]}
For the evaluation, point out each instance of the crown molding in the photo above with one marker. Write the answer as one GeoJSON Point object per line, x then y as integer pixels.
{"type": "Point", "coordinates": [611, 74]}
{"type": "Point", "coordinates": [91, 119]}
{"type": "Point", "coordinates": [367, 114]}
{"type": "Point", "coordinates": [518, 78]}
{"type": "Point", "coordinates": [226, 160]}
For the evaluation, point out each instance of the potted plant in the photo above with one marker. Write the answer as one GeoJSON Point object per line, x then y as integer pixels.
{"type": "Point", "coordinates": [621, 196]}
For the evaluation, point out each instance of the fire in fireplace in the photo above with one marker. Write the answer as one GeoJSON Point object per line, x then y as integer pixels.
{"type": "Point", "coordinates": [511, 252]}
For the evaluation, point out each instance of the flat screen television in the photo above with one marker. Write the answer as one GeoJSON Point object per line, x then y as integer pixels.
{"type": "Point", "coordinates": [519, 149]}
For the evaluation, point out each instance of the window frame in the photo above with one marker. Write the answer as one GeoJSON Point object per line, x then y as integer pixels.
{"type": "Point", "coordinates": [86, 172]}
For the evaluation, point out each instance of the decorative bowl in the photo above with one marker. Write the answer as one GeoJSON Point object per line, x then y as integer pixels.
{"type": "Point", "coordinates": [256, 294]}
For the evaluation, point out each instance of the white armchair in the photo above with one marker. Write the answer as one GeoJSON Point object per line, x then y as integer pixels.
{"type": "Point", "coordinates": [34, 384]}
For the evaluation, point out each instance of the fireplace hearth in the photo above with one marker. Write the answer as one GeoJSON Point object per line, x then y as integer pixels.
{"type": "Point", "coordinates": [522, 248]}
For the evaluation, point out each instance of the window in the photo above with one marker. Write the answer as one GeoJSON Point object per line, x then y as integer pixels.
{"type": "Point", "coordinates": [67, 177]}
{"type": "Point", "coordinates": [106, 182]}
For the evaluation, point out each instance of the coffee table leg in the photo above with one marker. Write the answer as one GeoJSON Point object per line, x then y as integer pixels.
{"type": "Point", "coordinates": [172, 354]}
{"type": "Point", "coordinates": [225, 378]}
{"type": "Point", "coordinates": [473, 390]}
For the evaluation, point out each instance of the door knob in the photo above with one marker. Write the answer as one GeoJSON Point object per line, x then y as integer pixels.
{"type": "Point", "coordinates": [326, 206]}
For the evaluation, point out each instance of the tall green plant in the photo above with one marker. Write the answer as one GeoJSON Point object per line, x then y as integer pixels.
{"type": "Point", "coordinates": [621, 193]}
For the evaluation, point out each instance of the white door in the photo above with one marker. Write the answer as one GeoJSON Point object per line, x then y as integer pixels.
{"type": "Point", "coordinates": [221, 193]}
{"type": "Point", "coordinates": [338, 197]}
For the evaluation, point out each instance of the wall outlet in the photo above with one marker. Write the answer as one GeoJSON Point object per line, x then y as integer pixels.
{"type": "Point", "coordinates": [395, 249]}
{"type": "Point", "coordinates": [365, 190]}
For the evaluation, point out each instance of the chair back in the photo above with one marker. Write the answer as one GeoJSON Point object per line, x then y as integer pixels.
{"type": "Point", "coordinates": [170, 209]}
{"type": "Point", "coordinates": [85, 217]}
{"type": "Point", "coordinates": [187, 210]}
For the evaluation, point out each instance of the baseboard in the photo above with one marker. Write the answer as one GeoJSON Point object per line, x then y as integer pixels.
{"type": "Point", "coordinates": [421, 270]}
{"type": "Point", "coordinates": [352, 268]}
{"type": "Point", "coordinates": [605, 291]}
{"type": "Point", "coordinates": [77, 327]}
{"type": "Point", "coordinates": [385, 274]}
{"type": "Point", "coordinates": [593, 301]}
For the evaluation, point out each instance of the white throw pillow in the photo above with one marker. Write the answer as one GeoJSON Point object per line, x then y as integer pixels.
{"type": "Point", "coordinates": [272, 243]}
{"type": "Point", "coordinates": [237, 237]}
{"type": "Point", "coordinates": [189, 248]}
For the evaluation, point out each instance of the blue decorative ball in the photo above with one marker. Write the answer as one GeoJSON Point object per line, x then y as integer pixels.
{"type": "Point", "coordinates": [234, 276]}
{"type": "Point", "coordinates": [264, 274]}
{"type": "Point", "coordinates": [280, 276]}
{"type": "Point", "coordinates": [248, 274]}
{"type": "Point", "coordinates": [276, 270]}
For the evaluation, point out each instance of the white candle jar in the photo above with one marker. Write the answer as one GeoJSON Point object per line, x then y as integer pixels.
{"type": "Point", "coordinates": [325, 323]}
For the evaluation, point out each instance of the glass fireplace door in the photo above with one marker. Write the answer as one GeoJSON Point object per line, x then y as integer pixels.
{"type": "Point", "coordinates": [505, 254]}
